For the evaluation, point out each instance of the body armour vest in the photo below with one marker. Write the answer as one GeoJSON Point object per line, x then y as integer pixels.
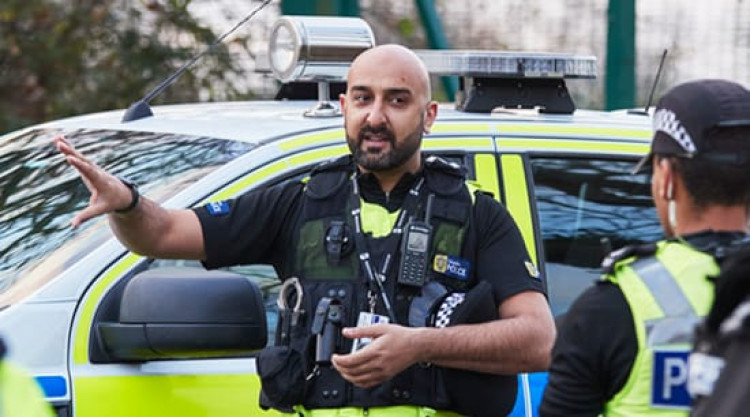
{"type": "Point", "coordinates": [668, 293]}
{"type": "Point", "coordinates": [327, 263]}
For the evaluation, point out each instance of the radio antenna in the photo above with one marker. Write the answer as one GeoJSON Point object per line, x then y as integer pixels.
{"type": "Point", "coordinates": [141, 108]}
{"type": "Point", "coordinates": [644, 112]}
{"type": "Point", "coordinates": [656, 81]}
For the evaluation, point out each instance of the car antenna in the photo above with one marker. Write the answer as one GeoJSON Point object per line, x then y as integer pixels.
{"type": "Point", "coordinates": [653, 86]}
{"type": "Point", "coordinates": [141, 108]}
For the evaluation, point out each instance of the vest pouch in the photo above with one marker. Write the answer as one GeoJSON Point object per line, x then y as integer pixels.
{"type": "Point", "coordinates": [327, 389]}
{"type": "Point", "coordinates": [282, 375]}
{"type": "Point", "coordinates": [475, 393]}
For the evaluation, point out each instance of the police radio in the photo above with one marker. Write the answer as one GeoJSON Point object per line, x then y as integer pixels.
{"type": "Point", "coordinates": [415, 247]}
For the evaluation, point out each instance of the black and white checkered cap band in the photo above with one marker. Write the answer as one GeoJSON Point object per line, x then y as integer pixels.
{"type": "Point", "coordinates": [666, 121]}
{"type": "Point", "coordinates": [443, 316]}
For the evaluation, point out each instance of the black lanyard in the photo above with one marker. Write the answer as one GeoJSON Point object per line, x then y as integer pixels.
{"type": "Point", "coordinates": [374, 278]}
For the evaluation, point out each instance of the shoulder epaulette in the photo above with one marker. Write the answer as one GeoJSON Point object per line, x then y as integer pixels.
{"type": "Point", "coordinates": [439, 164]}
{"type": "Point", "coordinates": [642, 250]}
{"type": "Point", "coordinates": [336, 164]}
{"type": "Point", "coordinates": [327, 177]}
{"type": "Point", "coordinates": [481, 191]}
{"type": "Point", "coordinates": [725, 251]}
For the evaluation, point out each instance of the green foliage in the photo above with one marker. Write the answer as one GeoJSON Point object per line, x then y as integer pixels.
{"type": "Point", "coordinates": [66, 57]}
{"type": "Point", "coordinates": [406, 28]}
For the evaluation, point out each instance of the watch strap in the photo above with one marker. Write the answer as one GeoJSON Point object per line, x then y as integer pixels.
{"type": "Point", "coordinates": [135, 196]}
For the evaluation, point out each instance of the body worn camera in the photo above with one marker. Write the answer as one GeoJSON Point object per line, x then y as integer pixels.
{"type": "Point", "coordinates": [326, 326]}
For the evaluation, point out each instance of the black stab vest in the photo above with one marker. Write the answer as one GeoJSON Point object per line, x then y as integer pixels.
{"type": "Point", "coordinates": [337, 273]}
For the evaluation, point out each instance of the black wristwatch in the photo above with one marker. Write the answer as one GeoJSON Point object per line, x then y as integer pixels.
{"type": "Point", "coordinates": [136, 196]}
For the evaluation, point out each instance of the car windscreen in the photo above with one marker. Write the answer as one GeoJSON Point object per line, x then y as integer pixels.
{"type": "Point", "coordinates": [40, 193]}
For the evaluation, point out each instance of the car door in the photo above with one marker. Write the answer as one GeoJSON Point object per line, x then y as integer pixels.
{"type": "Point", "coordinates": [216, 386]}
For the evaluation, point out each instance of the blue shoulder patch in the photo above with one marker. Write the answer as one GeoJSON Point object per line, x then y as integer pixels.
{"type": "Point", "coordinates": [218, 208]}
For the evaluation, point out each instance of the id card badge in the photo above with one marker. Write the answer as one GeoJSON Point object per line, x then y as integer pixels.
{"type": "Point", "coordinates": [367, 319]}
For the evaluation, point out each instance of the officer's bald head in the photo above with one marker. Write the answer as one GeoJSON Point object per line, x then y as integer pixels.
{"type": "Point", "coordinates": [394, 64]}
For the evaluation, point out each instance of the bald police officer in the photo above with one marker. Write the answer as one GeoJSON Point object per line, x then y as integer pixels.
{"type": "Point", "coordinates": [460, 306]}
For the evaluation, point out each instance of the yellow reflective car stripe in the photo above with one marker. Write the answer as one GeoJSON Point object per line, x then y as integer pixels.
{"type": "Point", "coordinates": [517, 199]}
{"type": "Point", "coordinates": [486, 173]}
{"type": "Point", "coordinates": [457, 143]}
{"type": "Point", "coordinates": [559, 129]}
{"type": "Point", "coordinates": [572, 145]}
{"type": "Point", "coordinates": [297, 160]}
{"type": "Point", "coordinates": [460, 127]}
{"type": "Point", "coordinates": [86, 317]}
{"type": "Point", "coordinates": [312, 139]}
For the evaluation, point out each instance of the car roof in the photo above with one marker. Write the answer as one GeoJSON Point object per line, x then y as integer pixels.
{"type": "Point", "coordinates": [261, 120]}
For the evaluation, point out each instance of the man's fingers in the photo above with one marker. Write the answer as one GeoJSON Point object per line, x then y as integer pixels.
{"type": "Point", "coordinates": [64, 147]}
{"type": "Point", "coordinates": [87, 214]}
{"type": "Point", "coordinates": [106, 191]}
{"type": "Point", "coordinates": [353, 361]}
{"type": "Point", "coordinates": [82, 165]}
{"type": "Point", "coordinates": [363, 375]}
{"type": "Point", "coordinates": [372, 332]}
{"type": "Point", "coordinates": [91, 174]}
{"type": "Point", "coordinates": [60, 141]}
{"type": "Point", "coordinates": [67, 148]}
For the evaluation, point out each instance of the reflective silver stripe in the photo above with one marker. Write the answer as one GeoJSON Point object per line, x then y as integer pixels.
{"type": "Point", "coordinates": [663, 287]}
{"type": "Point", "coordinates": [680, 317]}
{"type": "Point", "coordinates": [671, 330]}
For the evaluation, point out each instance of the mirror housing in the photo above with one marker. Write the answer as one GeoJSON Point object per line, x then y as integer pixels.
{"type": "Point", "coordinates": [181, 313]}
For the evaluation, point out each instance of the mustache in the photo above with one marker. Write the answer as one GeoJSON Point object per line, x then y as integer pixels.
{"type": "Point", "coordinates": [383, 131]}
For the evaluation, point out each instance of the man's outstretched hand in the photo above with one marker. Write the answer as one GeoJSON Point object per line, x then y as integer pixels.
{"type": "Point", "coordinates": [108, 193]}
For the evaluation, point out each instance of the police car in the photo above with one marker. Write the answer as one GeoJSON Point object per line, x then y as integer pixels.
{"type": "Point", "coordinates": [110, 333]}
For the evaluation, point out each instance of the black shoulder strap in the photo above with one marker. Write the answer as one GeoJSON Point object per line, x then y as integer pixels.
{"type": "Point", "coordinates": [443, 177]}
{"type": "Point", "coordinates": [720, 251]}
{"type": "Point", "coordinates": [328, 177]}
{"type": "Point", "coordinates": [642, 250]}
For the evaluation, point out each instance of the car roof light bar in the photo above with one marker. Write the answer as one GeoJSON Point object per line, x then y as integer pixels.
{"type": "Point", "coordinates": [496, 64]}
{"type": "Point", "coordinates": [489, 79]}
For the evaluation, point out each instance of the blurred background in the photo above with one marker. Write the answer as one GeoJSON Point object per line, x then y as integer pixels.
{"type": "Point", "coordinates": [66, 57]}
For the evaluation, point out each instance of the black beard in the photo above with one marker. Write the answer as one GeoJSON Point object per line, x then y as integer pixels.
{"type": "Point", "coordinates": [384, 161]}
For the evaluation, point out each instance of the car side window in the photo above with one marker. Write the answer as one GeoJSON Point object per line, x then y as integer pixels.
{"type": "Point", "coordinates": [587, 208]}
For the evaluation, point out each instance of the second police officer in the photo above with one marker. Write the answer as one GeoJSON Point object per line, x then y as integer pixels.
{"type": "Point", "coordinates": [622, 349]}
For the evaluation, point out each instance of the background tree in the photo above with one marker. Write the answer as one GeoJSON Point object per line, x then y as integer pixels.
{"type": "Point", "coordinates": [66, 57]}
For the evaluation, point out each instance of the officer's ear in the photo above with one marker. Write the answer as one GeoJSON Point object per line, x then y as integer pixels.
{"type": "Point", "coordinates": [666, 175]}
{"type": "Point", "coordinates": [342, 102]}
{"type": "Point", "coordinates": [430, 114]}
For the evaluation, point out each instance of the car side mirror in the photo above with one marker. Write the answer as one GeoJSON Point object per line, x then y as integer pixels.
{"type": "Point", "coordinates": [181, 313]}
